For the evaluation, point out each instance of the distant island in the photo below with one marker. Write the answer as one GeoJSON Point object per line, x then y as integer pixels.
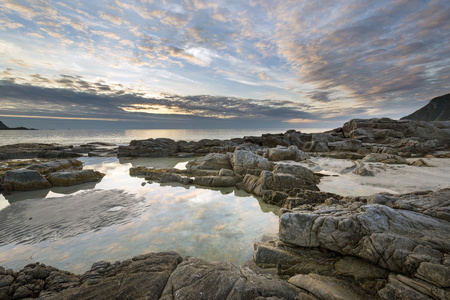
{"type": "Point", "coordinates": [4, 127]}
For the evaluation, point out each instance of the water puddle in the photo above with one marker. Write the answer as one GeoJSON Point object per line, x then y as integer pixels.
{"type": "Point", "coordinates": [119, 217]}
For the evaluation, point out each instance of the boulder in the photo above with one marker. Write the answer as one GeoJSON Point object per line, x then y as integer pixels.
{"type": "Point", "coordinates": [69, 178]}
{"type": "Point", "coordinates": [197, 279]}
{"type": "Point", "coordinates": [56, 165]}
{"type": "Point", "coordinates": [246, 162]}
{"type": "Point", "coordinates": [211, 161]}
{"type": "Point", "coordinates": [402, 287]}
{"type": "Point", "coordinates": [24, 180]}
{"type": "Point", "coordinates": [159, 147]}
{"type": "Point", "coordinates": [217, 181]}
{"type": "Point", "coordinates": [286, 153]}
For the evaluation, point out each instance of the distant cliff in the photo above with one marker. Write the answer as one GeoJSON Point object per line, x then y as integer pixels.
{"type": "Point", "coordinates": [438, 109]}
{"type": "Point", "coordinates": [3, 126]}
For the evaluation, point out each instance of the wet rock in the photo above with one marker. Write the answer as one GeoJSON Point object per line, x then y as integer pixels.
{"type": "Point", "coordinates": [362, 170]}
{"type": "Point", "coordinates": [212, 161]}
{"type": "Point", "coordinates": [24, 180]}
{"type": "Point", "coordinates": [69, 178]}
{"type": "Point", "coordinates": [217, 181]}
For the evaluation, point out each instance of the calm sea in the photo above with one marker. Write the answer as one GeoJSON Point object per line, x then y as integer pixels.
{"type": "Point", "coordinates": [120, 137]}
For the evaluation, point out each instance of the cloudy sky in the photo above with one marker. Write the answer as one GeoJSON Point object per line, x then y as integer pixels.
{"type": "Point", "coordinates": [219, 64]}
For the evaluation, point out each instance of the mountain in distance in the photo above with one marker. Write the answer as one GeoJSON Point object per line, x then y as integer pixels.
{"type": "Point", "coordinates": [4, 127]}
{"type": "Point", "coordinates": [438, 109]}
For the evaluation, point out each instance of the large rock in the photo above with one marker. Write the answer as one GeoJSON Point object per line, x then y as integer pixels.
{"type": "Point", "coordinates": [400, 240]}
{"type": "Point", "coordinates": [385, 158]}
{"type": "Point", "coordinates": [246, 162]}
{"type": "Point", "coordinates": [348, 145]}
{"type": "Point", "coordinates": [24, 180]}
{"type": "Point", "coordinates": [197, 279]}
{"type": "Point", "coordinates": [159, 147]}
{"type": "Point", "coordinates": [211, 161]}
{"type": "Point", "coordinates": [286, 153]}
{"type": "Point", "coordinates": [56, 165]}
{"type": "Point", "coordinates": [277, 182]}
{"type": "Point", "coordinates": [69, 178]}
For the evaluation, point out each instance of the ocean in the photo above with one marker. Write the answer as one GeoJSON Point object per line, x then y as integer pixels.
{"type": "Point", "coordinates": [124, 136]}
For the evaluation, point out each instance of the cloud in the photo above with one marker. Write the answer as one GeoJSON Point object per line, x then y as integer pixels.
{"type": "Point", "coordinates": [111, 18]}
{"type": "Point", "coordinates": [110, 35]}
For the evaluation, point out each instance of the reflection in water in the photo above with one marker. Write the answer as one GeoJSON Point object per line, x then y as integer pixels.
{"type": "Point", "coordinates": [120, 218]}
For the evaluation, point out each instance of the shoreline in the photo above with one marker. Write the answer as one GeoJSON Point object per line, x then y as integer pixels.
{"type": "Point", "coordinates": [326, 241]}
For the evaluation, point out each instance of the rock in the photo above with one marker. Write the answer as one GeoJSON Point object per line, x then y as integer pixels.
{"type": "Point", "coordinates": [56, 165]}
{"type": "Point", "coordinates": [212, 161]}
{"type": "Point", "coordinates": [363, 171]}
{"type": "Point", "coordinates": [217, 181]}
{"type": "Point", "coordinates": [226, 172]}
{"type": "Point", "coordinates": [277, 182]}
{"type": "Point", "coordinates": [348, 145]}
{"type": "Point", "coordinates": [246, 162]}
{"type": "Point", "coordinates": [402, 287]}
{"type": "Point", "coordinates": [70, 178]}
{"type": "Point", "coordinates": [197, 279]}
{"type": "Point", "coordinates": [286, 153]}
{"type": "Point", "coordinates": [434, 273]}
{"type": "Point", "coordinates": [143, 277]}
{"type": "Point", "coordinates": [24, 180]}
{"type": "Point", "coordinates": [420, 163]}
{"type": "Point", "coordinates": [159, 147]}
{"type": "Point", "coordinates": [359, 269]}
{"type": "Point", "coordinates": [376, 233]}
{"type": "Point", "coordinates": [326, 288]}
{"type": "Point", "coordinates": [385, 158]}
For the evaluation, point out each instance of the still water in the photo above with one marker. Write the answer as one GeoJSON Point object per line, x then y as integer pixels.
{"type": "Point", "coordinates": [117, 136]}
{"type": "Point", "coordinates": [121, 217]}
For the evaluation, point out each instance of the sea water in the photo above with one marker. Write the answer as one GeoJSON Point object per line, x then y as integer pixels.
{"type": "Point", "coordinates": [123, 137]}
{"type": "Point", "coordinates": [123, 216]}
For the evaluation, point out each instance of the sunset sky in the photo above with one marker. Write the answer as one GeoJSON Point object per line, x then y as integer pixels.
{"type": "Point", "coordinates": [219, 64]}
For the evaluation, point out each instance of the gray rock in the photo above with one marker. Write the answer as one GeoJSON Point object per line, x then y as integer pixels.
{"type": "Point", "coordinates": [246, 162]}
{"type": "Point", "coordinates": [286, 153]}
{"type": "Point", "coordinates": [385, 158]}
{"type": "Point", "coordinates": [197, 279]}
{"type": "Point", "coordinates": [212, 161]}
{"type": "Point", "coordinates": [159, 147]}
{"type": "Point", "coordinates": [70, 178]}
{"type": "Point", "coordinates": [325, 288]}
{"type": "Point", "coordinates": [217, 181]}
{"type": "Point", "coordinates": [402, 287]}
{"type": "Point", "coordinates": [56, 165]}
{"type": "Point", "coordinates": [348, 145]}
{"type": "Point", "coordinates": [359, 269]}
{"type": "Point", "coordinates": [24, 180]}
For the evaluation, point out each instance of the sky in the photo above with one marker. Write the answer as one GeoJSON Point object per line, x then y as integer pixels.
{"type": "Point", "coordinates": [219, 64]}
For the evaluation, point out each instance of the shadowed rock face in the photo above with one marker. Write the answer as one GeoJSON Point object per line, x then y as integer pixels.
{"type": "Point", "coordinates": [152, 276]}
{"type": "Point", "coordinates": [438, 109]}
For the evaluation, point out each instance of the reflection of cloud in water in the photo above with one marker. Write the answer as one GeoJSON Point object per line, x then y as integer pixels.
{"type": "Point", "coordinates": [194, 221]}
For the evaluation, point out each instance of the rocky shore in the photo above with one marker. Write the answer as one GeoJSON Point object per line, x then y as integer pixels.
{"type": "Point", "coordinates": [382, 246]}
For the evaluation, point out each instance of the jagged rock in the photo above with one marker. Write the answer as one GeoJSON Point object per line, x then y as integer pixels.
{"type": "Point", "coordinates": [402, 287]}
{"type": "Point", "coordinates": [348, 145]}
{"type": "Point", "coordinates": [277, 182]}
{"type": "Point", "coordinates": [212, 161]}
{"type": "Point", "coordinates": [286, 153]}
{"type": "Point", "coordinates": [326, 288]}
{"type": "Point", "coordinates": [159, 147]}
{"type": "Point", "coordinates": [70, 178]}
{"type": "Point", "coordinates": [376, 233]}
{"type": "Point", "coordinates": [197, 279]}
{"type": "Point", "coordinates": [56, 165]}
{"type": "Point", "coordinates": [359, 269]}
{"type": "Point", "coordinates": [363, 171]}
{"type": "Point", "coordinates": [246, 162]}
{"type": "Point", "coordinates": [385, 158]}
{"type": "Point", "coordinates": [217, 181]}
{"type": "Point", "coordinates": [24, 180]}
{"type": "Point", "coordinates": [143, 277]}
